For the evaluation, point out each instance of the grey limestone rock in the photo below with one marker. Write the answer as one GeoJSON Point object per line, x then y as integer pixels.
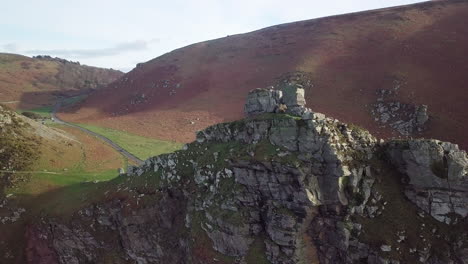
{"type": "Point", "coordinates": [438, 176]}
{"type": "Point", "coordinates": [289, 98]}
{"type": "Point", "coordinates": [262, 101]}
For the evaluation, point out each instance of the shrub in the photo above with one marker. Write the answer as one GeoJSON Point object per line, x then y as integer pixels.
{"type": "Point", "coordinates": [32, 115]}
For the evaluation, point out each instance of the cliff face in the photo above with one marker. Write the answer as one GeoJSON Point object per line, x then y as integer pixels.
{"type": "Point", "coordinates": [273, 188]}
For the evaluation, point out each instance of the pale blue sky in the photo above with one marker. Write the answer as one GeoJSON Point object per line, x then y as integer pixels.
{"type": "Point", "coordinates": [120, 33]}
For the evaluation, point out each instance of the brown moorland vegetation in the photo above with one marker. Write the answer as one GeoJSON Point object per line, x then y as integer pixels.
{"type": "Point", "coordinates": [27, 83]}
{"type": "Point", "coordinates": [350, 58]}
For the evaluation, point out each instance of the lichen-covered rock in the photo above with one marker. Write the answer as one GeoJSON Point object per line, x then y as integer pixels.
{"type": "Point", "coordinates": [438, 176]}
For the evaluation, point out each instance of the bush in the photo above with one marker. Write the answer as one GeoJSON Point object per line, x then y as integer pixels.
{"type": "Point", "coordinates": [32, 115]}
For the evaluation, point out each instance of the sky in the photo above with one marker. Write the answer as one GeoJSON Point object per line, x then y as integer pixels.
{"type": "Point", "coordinates": [119, 34]}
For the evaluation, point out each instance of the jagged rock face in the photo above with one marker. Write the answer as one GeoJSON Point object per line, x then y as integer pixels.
{"type": "Point", "coordinates": [282, 199]}
{"type": "Point", "coordinates": [144, 235]}
{"type": "Point", "coordinates": [438, 176]}
{"type": "Point", "coordinates": [282, 189]}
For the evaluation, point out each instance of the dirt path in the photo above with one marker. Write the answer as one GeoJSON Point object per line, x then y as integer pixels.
{"type": "Point", "coordinates": [114, 145]}
{"type": "Point", "coordinates": [27, 172]}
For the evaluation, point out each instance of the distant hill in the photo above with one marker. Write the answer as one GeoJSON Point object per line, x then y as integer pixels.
{"type": "Point", "coordinates": [31, 82]}
{"type": "Point", "coordinates": [370, 68]}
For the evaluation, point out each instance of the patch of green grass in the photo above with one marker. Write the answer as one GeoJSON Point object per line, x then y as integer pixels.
{"type": "Point", "coordinates": [139, 146]}
{"type": "Point", "coordinates": [73, 177]}
{"type": "Point", "coordinates": [43, 181]}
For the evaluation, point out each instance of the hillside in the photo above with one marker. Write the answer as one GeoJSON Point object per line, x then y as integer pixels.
{"type": "Point", "coordinates": [27, 83]}
{"type": "Point", "coordinates": [373, 68]}
{"type": "Point", "coordinates": [41, 158]}
{"type": "Point", "coordinates": [280, 187]}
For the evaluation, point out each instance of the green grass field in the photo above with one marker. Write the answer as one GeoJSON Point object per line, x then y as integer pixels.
{"type": "Point", "coordinates": [42, 181]}
{"type": "Point", "coordinates": [139, 146]}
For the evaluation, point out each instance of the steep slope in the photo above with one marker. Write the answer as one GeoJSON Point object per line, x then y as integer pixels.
{"type": "Point", "coordinates": [271, 188]}
{"type": "Point", "coordinates": [31, 82]}
{"type": "Point", "coordinates": [18, 147]}
{"type": "Point", "coordinates": [37, 159]}
{"type": "Point", "coordinates": [40, 157]}
{"type": "Point", "coordinates": [402, 58]}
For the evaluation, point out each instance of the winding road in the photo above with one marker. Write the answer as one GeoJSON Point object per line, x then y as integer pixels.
{"type": "Point", "coordinates": [114, 145]}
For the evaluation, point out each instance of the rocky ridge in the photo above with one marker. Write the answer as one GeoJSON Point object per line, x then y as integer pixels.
{"type": "Point", "coordinates": [284, 185]}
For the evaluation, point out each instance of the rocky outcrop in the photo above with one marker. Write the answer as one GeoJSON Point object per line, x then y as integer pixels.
{"type": "Point", "coordinates": [406, 119]}
{"type": "Point", "coordinates": [277, 188]}
{"type": "Point", "coordinates": [289, 98]}
{"type": "Point", "coordinates": [293, 98]}
{"type": "Point", "coordinates": [437, 176]}
{"type": "Point", "coordinates": [282, 198]}
{"type": "Point", "coordinates": [143, 235]}
{"type": "Point", "coordinates": [262, 101]}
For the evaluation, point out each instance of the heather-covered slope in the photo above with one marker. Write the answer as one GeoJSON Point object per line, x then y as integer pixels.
{"type": "Point", "coordinates": [388, 62]}
{"type": "Point", "coordinates": [31, 82]}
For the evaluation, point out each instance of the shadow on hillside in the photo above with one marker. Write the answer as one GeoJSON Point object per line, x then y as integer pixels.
{"type": "Point", "coordinates": [31, 100]}
{"type": "Point", "coordinates": [58, 205]}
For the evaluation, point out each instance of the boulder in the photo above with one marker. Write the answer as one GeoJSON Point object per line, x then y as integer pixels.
{"type": "Point", "coordinates": [262, 100]}
{"type": "Point", "coordinates": [421, 115]}
{"type": "Point", "coordinates": [289, 99]}
{"type": "Point", "coordinates": [293, 95]}
{"type": "Point", "coordinates": [293, 98]}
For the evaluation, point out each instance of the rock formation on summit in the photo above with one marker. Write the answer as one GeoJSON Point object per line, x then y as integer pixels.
{"type": "Point", "coordinates": [263, 101]}
{"type": "Point", "coordinates": [288, 99]}
{"type": "Point", "coordinates": [282, 188]}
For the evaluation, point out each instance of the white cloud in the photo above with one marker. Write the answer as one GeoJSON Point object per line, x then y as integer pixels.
{"type": "Point", "coordinates": [120, 48]}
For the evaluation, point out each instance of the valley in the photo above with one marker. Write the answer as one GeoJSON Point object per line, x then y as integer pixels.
{"type": "Point", "coordinates": [338, 139]}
